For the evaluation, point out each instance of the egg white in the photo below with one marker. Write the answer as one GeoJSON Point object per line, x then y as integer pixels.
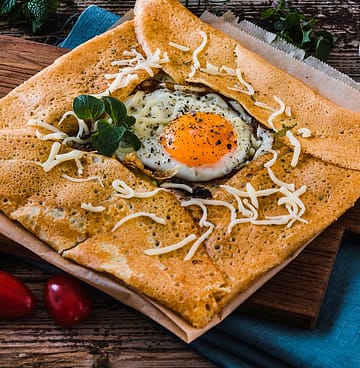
{"type": "Point", "coordinates": [155, 110]}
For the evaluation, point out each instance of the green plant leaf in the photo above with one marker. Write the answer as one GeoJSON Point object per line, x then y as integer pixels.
{"type": "Point", "coordinates": [7, 6]}
{"type": "Point", "coordinates": [106, 140]}
{"type": "Point", "coordinates": [323, 47]}
{"type": "Point", "coordinates": [132, 139]}
{"type": "Point", "coordinates": [294, 27]}
{"type": "Point", "coordinates": [38, 11]}
{"type": "Point", "coordinates": [115, 109]}
{"type": "Point", "coordinates": [88, 108]}
{"type": "Point", "coordinates": [129, 121]}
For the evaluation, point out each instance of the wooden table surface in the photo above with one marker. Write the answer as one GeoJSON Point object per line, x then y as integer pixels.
{"type": "Point", "coordinates": [115, 335]}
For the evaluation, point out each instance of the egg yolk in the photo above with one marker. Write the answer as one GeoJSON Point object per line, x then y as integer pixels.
{"type": "Point", "coordinates": [199, 139]}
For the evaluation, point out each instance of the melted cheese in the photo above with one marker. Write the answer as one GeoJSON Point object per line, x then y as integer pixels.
{"type": "Point", "coordinates": [304, 132]}
{"type": "Point", "coordinates": [124, 191]}
{"type": "Point", "coordinates": [297, 148]}
{"type": "Point", "coordinates": [249, 90]}
{"type": "Point", "coordinates": [81, 180]}
{"type": "Point", "coordinates": [195, 55]}
{"type": "Point", "coordinates": [89, 207]}
{"type": "Point", "coordinates": [178, 46]}
{"type": "Point", "coordinates": [276, 180]}
{"type": "Point", "coordinates": [198, 242]}
{"type": "Point", "coordinates": [277, 112]}
{"type": "Point", "coordinates": [55, 158]}
{"type": "Point", "coordinates": [139, 214]}
{"type": "Point", "coordinates": [181, 186]}
{"type": "Point", "coordinates": [129, 66]}
{"type": "Point", "coordinates": [170, 248]}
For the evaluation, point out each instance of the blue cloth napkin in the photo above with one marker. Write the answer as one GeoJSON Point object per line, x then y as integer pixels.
{"type": "Point", "coordinates": [248, 342]}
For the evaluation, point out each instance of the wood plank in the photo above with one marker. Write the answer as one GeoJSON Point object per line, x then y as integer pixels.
{"type": "Point", "coordinates": [279, 299]}
{"type": "Point", "coordinates": [114, 336]}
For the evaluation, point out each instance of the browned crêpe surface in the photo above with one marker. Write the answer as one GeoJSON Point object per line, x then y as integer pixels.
{"type": "Point", "coordinates": [335, 130]}
{"type": "Point", "coordinates": [49, 94]}
{"type": "Point", "coordinates": [50, 206]}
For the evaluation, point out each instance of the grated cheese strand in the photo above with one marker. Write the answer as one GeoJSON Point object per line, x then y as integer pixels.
{"type": "Point", "coordinates": [136, 215]}
{"type": "Point", "coordinates": [214, 202]}
{"type": "Point", "coordinates": [195, 55]}
{"type": "Point", "coordinates": [297, 148]}
{"type": "Point", "coordinates": [195, 202]}
{"type": "Point", "coordinates": [249, 89]}
{"type": "Point", "coordinates": [55, 158]}
{"type": "Point", "coordinates": [81, 180]}
{"type": "Point", "coordinates": [170, 248]}
{"type": "Point", "coordinates": [199, 241]}
{"type": "Point", "coordinates": [276, 113]}
{"type": "Point", "coordinates": [181, 186]}
{"type": "Point", "coordinates": [89, 207]}
{"type": "Point", "coordinates": [125, 191]}
{"type": "Point", "coordinates": [51, 136]}
{"type": "Point", "coordinates": [41, 124]}
{"type": "Point", "coordinates": [277, 181]}
{"type": "Point", "coordinates": [128, 73]}
{"type": "Point", "coordinates": [252, 194]}
{"type": "Point", "coordinates": [83, 128]}
{"type": "Point", "coordinates": [178, 46]}
{"type": "Point", "coordinates": [304, 132]}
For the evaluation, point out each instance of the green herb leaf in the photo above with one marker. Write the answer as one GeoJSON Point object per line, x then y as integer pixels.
{"type": "Point", "coordinates": [88, 108]}
{"type": "Point", "coordinates": [115, 109]}
{"type": "Point", "coordinates": [323, 47]}
{"type": "Point", "coordinates": [132, 139]}
{"type": "Point", "coordinates": [106, 140]}
{"type": "Point", "coordinates": [129, 121]}
{"type": "Point", "coordinates": [6, 6]}
{"type": "Point", "coordinates": [294, 27]}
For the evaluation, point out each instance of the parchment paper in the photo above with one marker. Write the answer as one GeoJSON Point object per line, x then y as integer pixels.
{"type": "Point", "coordinates": [330, 83]}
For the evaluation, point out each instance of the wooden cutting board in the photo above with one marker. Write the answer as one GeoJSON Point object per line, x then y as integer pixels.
{"type": "Point", "coordinates": [293, 296]}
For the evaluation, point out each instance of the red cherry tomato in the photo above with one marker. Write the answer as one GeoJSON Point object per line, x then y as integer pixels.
{"type": "Point", "coordinates": [16, 299]}
{"type": "Point", "coordinates": [67, 300]}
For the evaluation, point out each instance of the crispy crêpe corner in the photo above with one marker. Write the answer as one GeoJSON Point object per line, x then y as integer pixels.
{"type": "Point", "coordinates": [245, 250]}
{"type": "Point", "coordinates": [81, 71]}
{"type": "Point", "coordinates": [202, 54]}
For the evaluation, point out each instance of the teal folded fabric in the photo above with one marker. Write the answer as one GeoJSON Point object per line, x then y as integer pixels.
{"type": "Point", "coordinates": [333, 343]}
{"type": "Point", "coordinates": [91, 22]}
{"type": "Point", "coordinates": [248, 342]}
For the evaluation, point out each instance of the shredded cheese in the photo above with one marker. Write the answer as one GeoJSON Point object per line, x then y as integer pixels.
{"type": "Point", "coordinates": [178, 46]}
{"type": "Point", "coordinates": [170, 248]}
{"type": "Point", "coordinates": [276, 113]}
{"type": "Point", "coordinates": [89, 207]}
{"type": "Point", "coordinates": [55, 158]}
{"type": "Point", "coordinates": [50, 136]}
{"type": "Point", "coordinates": [124, 191]}
{"type": "Point", "coordinates": [249, 90]}
{"type": "Point", "coordinates": [277, 181]}
{"type": "Point", "coordinates": [81, 180]}
{"type": "Point", "coordinates": [297, 148]}
{"type": "Point", "coordinates": [304, 132]}
{"type": "Point", "coordinates": [195, 55]}
{"type": "Point", "coordinates": [139, 214]}
{"type": "Point", "coordinates": [252, 194]}
{"type": "Point", "coordinates": [264, 106]}
{"type": "Point", "coordinates": [198, 242]}
{"type": "Point", "coordinates": [181, 186]}
{"type": "Point", "coordinates": [131, 65]}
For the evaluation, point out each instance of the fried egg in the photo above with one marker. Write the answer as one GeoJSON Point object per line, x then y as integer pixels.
{"type": "Point", "coordinates": [199, 137]}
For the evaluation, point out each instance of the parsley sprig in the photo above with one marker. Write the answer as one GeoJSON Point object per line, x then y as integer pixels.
{"type": "Point", "coordinates": [108, 117]}
{"type": "Point", "coordinates": [294, 27]}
